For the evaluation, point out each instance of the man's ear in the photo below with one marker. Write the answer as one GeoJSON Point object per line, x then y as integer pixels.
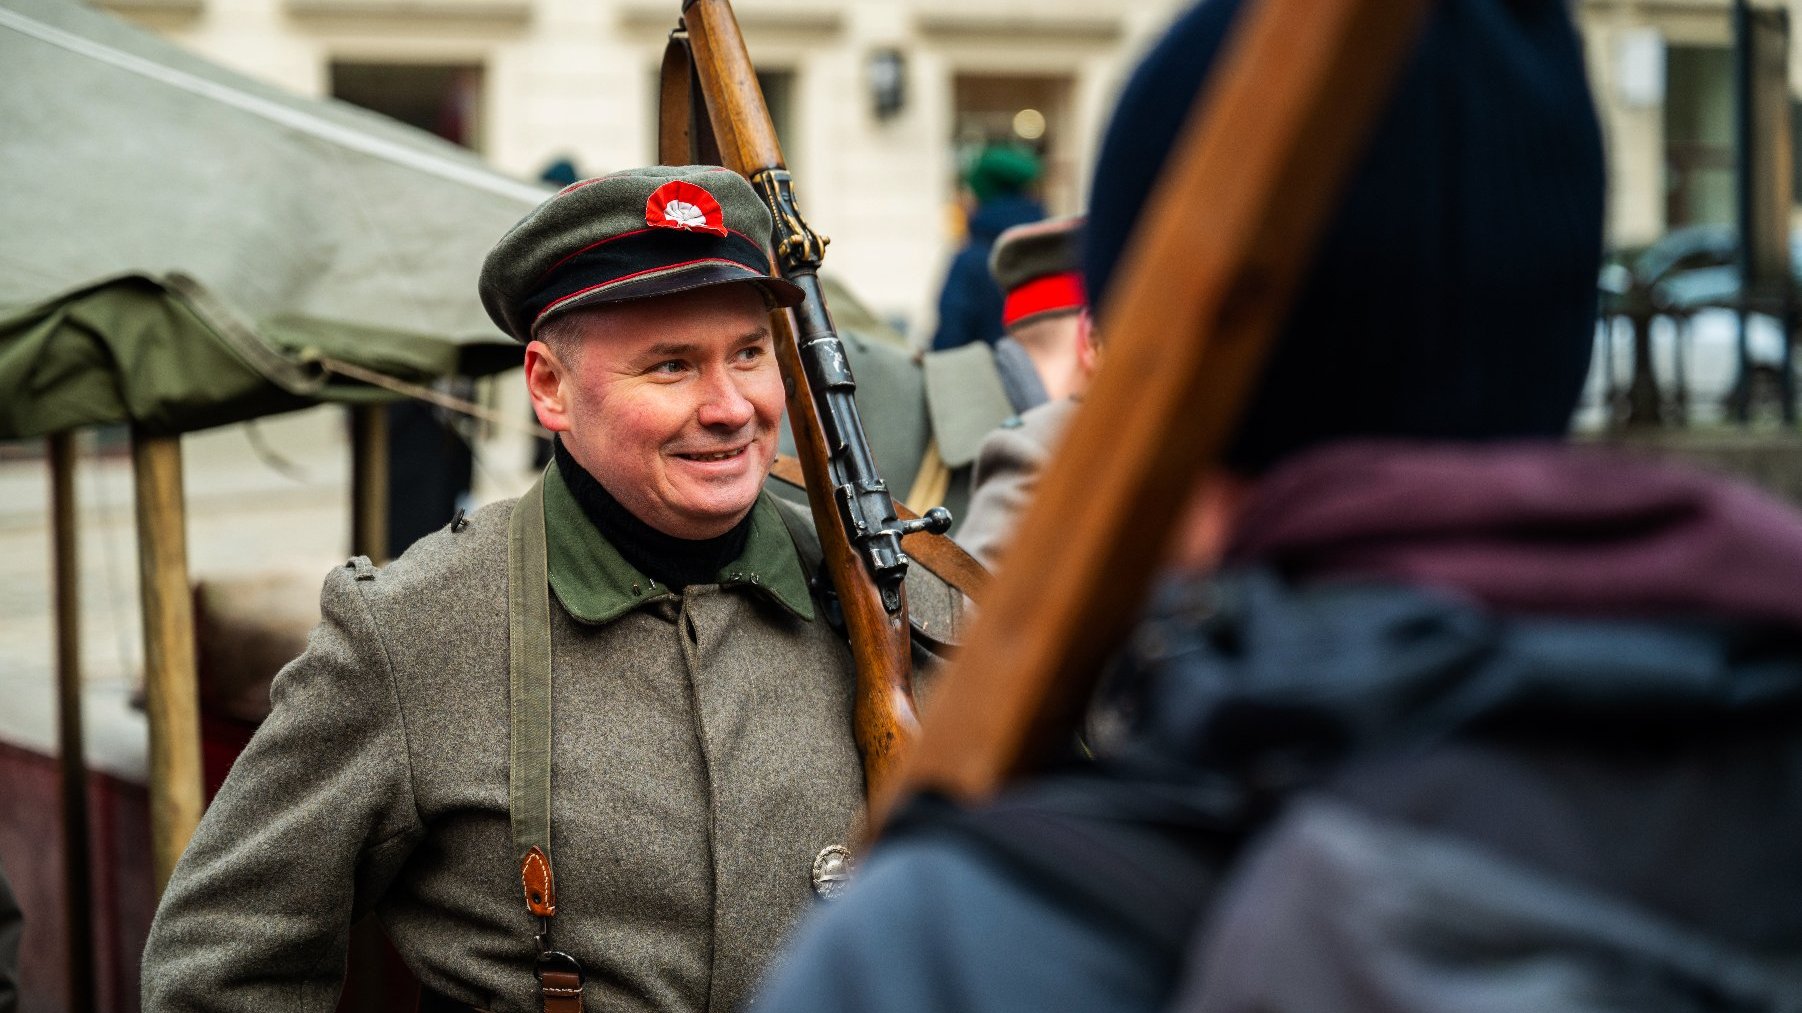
{"type": "Point", "coordinates": [1088, 353]}
{"type": "Point", "coordinates": [547, 383]}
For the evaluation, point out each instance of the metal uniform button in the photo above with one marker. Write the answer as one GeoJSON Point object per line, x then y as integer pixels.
{"type": "Point", "coordinates": [832, 871]}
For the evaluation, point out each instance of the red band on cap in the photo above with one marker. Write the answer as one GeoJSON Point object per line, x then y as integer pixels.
{"type": "Point", "coordinates": [1044, 295]}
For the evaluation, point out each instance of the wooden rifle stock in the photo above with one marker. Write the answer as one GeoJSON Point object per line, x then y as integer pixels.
{"type": "Point", "coordinates": [859, 531]}
{"type": "Point", "coordinates": [1219, 250]}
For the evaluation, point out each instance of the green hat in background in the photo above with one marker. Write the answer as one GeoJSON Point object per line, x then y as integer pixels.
{"type": "Point", "coordinates": [630, 235]}
{"type": "Point", "coordinates": [1001, 169]}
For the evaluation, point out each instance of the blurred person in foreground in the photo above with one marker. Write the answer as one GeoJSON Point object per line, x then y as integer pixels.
{"type": "Point", "coordinates": [1048, 323]}
{"type": "Point", "coordinates": [1463, 718]}
{"type": "Point", "coordinates": [999, 183]}
{"type": "Point", "coordinates": [685, 729]}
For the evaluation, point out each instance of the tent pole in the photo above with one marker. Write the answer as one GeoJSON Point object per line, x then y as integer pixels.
{"type": "Point", "coordinates": [171, 685]}
{"type": "Point", "coordinates": [369, 481]}
{"type": "Point", "coordinates": [78, 886]}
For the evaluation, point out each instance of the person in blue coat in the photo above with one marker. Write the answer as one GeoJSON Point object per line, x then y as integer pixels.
{"type": "Point", "coordinates": [970, 302]}
{"type": "Point", "coordinates": [1435, 711]}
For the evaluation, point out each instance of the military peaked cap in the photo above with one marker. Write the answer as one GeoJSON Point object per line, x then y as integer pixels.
{"type": "Point", "coordinates": [630, 235]}
{"type": "Point", "coordinates": [1037, 267]}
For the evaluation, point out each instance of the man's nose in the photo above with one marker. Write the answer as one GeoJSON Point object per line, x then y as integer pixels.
{"type": "Point", "coordinates": [723, 404]}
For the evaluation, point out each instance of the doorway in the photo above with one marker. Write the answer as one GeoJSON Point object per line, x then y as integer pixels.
{"type": "Point", "coordinates": [1032, 111]}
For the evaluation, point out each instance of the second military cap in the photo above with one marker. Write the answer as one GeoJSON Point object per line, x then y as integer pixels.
{"type": "Point", "coordinates": [1037, 268]}
{"type": "Point", "coordinates": [630, 235]}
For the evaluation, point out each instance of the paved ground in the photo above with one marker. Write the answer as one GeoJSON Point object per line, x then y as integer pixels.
{"type": "Point", "coordinates": [247, 517]}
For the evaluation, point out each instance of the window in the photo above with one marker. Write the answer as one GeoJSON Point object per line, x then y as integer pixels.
{"type": "Point", "coordinates": [1033, 111]}
{"type": "Point", "coordinates": [444, 99]}
{"type": "Point", "coordinates": [1698, 136]}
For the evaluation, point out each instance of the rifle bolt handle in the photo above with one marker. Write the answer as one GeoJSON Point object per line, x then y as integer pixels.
{"type": "Point", "coordinates": [937, 521]}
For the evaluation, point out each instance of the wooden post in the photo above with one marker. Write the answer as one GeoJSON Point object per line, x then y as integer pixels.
{"type": "Point", "coordinates": [369, 481]}
{"type": "Point", "coordinates": [369, 537]}
{"type": "Point", "coordinates": [1773, 186]}
{"type": "Point", "coordinates": [78, 883]}
{"type": "Point", "coordinates": [171, 686]}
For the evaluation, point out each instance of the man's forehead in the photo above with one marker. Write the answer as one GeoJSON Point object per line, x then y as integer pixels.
{"type": "Point", "coordinates": [669, 333]}
{"type": "Point", "coordinates": [736, 336]}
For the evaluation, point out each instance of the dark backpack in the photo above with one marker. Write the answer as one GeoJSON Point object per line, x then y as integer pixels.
{"type": "Point", "coordinates": [1466, 826]}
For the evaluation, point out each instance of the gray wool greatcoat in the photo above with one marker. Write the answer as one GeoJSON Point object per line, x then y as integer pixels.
{"type": "Point", "coordinates": [1008, 465]}
{"type": "Point", "coordinates": [702, 757]}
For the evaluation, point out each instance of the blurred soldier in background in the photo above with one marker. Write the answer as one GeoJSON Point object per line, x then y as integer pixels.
{"type": "Point", "coordinates": [1048, 322]}
{"type": "Point", "coordinates": [1043, 307]}
{"type": "Point", "coordinates": [1461, 718]}
{"type": "Point", "coordinates": [970, 302]}
{"type": "Point", "coordinates": [927, 415]}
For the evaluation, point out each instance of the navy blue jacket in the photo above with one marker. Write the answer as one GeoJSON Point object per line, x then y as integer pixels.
{"type": "Point", "coordinates": [970, 302]}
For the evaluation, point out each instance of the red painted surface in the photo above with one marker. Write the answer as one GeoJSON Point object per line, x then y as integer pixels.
{"type": "Point", "coordinates": [31, 853]}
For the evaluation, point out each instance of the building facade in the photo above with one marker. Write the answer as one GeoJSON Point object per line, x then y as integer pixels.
{"type": "Point", "coordinates": [1663, 76]}
{"type": "Point", "coordinates": [878, 100]}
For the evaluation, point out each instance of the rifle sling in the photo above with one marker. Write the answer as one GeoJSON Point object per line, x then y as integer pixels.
{"type": "Point", "coordinates": [684, 131]}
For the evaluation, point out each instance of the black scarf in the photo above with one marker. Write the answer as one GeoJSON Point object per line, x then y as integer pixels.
{"type": "Point", "coordinates": [670, 561]}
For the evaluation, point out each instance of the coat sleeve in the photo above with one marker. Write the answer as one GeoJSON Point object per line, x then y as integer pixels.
{"type": "Point", "coordinates": [1007, 469]}
{"type": "Point", "coordinates": [305, 835]}
{"type": "Point", "coordinates": [938, 925]}
{"type": "Point", "coordinates": [1008, 465]}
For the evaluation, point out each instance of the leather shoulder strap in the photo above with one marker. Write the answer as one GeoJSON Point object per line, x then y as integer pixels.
{"type": "Point", "coordinates": [560, 975]}
{"type": "Point", "coordinates": [684, 130]}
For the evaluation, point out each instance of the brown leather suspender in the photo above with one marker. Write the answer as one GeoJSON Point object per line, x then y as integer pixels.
{"type": "Point", "coordinates": [560, 975]}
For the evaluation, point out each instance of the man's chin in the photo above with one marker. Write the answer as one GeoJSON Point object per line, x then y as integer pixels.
{"type": "Point", "coordinates": [716, 512]}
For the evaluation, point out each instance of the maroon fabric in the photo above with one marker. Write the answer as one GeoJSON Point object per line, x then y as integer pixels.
{"type": "Point", "coordinates": [1541, 528]}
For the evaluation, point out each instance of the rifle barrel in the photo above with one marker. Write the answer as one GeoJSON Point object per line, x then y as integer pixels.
{"type": "Point", "coordinates": [853, 511]}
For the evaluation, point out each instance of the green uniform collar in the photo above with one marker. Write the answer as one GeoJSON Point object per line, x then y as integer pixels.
{"type": "Point", "coordinates": [596, 585]}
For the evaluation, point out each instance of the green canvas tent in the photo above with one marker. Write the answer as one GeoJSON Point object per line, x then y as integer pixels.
{"type": "Point", "coordinates": [184, 247]}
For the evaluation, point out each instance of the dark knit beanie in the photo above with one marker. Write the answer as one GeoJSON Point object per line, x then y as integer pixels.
{"type": "Point", "coordinates": [1454, 293]}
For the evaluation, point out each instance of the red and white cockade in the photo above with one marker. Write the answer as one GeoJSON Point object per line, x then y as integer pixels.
{"type": "Point", "coordinates": [680, 204]}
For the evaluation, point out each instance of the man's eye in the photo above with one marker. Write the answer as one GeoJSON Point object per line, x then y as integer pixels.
{"type": "Point", "coordinates": [668, 367]}
{"type": "Point", "coordinates": [751, 354]}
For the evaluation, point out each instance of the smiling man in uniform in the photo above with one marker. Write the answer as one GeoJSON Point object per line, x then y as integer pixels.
{"type": "Point", "coordinates": [683, 747]}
